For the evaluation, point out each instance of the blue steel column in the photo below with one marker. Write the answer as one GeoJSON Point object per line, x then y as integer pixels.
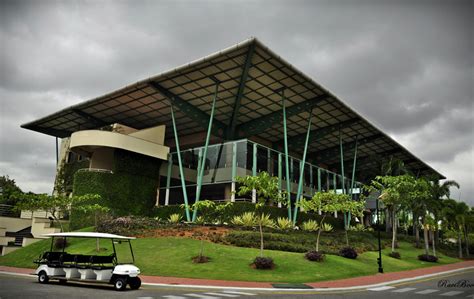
{"type": "Point", "coordinates": [301, 179]}
{"type": "Point", "coordinates": [279, 175]}
{"type": "Point", "coordinates": [168, 179]}
{"type": "Point", "coordinates": [319, 180]}
{"type": "Point", "coordinates": [354, 168]}
{"type": "Point", "coordinates": [287, 170]}
{"type": "Point", "coordinates": [204, 155]}
{"type": "Point", "coordinates": [181, 172]}
{"type": "Point", "coordinates": [234, 169]}
{"type": "Point", "coordinates": [254, 170]}
{"type": "Point", "coordinates": [353, 177]}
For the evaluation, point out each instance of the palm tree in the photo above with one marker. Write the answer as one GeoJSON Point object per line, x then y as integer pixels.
{"type": "Point", "coordinates": [439, 191]}
{"type": "Point", "coordinates": [455, 213]}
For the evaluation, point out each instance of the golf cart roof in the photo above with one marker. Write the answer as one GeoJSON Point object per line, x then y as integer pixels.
{"type": "Point", "coordinates": [88, 235]}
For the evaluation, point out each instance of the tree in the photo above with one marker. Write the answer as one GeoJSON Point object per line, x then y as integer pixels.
{"type": "Point", "coordinates": [326, 202]}
{"type": "Point", "coordinates": [439, 191]}
{"type": "Point", "coordinates": [58, 205]}
{"type": "Point", "coordinates": [206, 207]}
{"type": "Point", "coordinates": [455, 214]}
{"type": "Point", "coordinates": [266, 188]}
{"type": "Point", "coordinates": [8, 190]}
{"type": "Point", "coordinates": [395, 191]}
{"type": "Point", "coordinates": [89, 203]}
{"type": "Point", "coordinates": [419, 200]}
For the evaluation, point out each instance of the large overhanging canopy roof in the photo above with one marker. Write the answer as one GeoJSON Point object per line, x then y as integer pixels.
{"type": "Point", "coordinates": [251, 79]}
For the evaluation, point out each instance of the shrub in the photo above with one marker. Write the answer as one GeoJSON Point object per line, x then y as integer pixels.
{"type": "Point", "coordinates": [237, 220]}
{"type": "Point", "coordinates": [265, 220]}
{"type": "Point", "coordinates": [126, 225]}
{"type": "Point", "coordinates": [395, 255]}
{"type": "Point", "coordinates": [326, 227]}
{"type": "Point", "coordinates": [60, 243]}
{"type": "Point", "coordinates": [428, 258]}
{"type": "Point", "coordinates": [284, 223]}
{"type": "Point", "coordinates": [314, 256]}
{"type": "Point", "coordinates": [175, 218]}
{"type": "Point", "coordinates": [348, 252]}
{"type": "Point", "coordinates": [310, 226]}
{"type": "Point", "coordinates": [248, 219]}
{"type": "Point", "coordinates": [238, 208]}
{"type": "Point", "coordinates": [200, 220]}
{"type": "Point", "coordinates": [300, 241]}
{"type": "Point", "coordinates": [263, 263]}
{"type": "Point", "coordinates": [357, 228]}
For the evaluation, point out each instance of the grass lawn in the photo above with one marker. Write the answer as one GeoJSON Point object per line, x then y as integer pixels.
{"type": "Point", "coordinates": [171, 256]}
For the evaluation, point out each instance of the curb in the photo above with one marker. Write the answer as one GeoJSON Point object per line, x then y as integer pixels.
{"type": "Point", "coordinates": [361, 287]}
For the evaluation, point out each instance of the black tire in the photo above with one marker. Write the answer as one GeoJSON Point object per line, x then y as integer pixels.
{"type": "Point", "coordinates": [43, 277]}
{"type": "Point", "coordinates": [134, 283]}
{"type": "Point", "coordinates": [120, 284]}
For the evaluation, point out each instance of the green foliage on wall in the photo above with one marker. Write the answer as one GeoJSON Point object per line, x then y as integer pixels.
{"type": "Point", "coordinates": [129, 190]}
{"type": "Point", "coordinates": [68, 171]}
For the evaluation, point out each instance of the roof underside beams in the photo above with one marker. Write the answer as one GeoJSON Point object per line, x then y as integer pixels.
{"type": "Point", "coordinates": [197, 115]}
{"type": "Point", "coordinates": [261, 124]}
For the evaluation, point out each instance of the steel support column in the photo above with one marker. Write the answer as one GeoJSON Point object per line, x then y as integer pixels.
{"type": "Point", "coordinates": [234, 170]}
{"type": "Point", "coordinates": [287, 170]}
{"type": "Point", "coordinates": [354, 168]}
{"type": "Point", "coordinates": [181, 171]}
{"type": "Point", "coordinates": [254, 170]}
{"type": "Point", "coordinates": [204, 155]}
{"type": "Point", "coordinates": [279, 176]}
{"type": "Point", "coordinates": [301, 179]}
{"type": "Point", "coordinates": [168, 179]}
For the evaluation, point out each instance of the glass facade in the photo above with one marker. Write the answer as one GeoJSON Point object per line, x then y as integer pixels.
{"type": "Point", "coordinates": [250, 158]}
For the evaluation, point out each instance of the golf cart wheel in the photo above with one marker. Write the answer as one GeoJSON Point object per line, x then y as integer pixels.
{"type": "Point", "coordinates": [135, 283]}
{"type": "Point", "coordinates": [120, 284]}
{"type": "Point", "coordinates": [43, 277]}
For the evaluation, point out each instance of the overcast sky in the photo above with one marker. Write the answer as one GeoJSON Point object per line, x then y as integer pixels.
{"type": "Point", "coordinates": [407, 66]}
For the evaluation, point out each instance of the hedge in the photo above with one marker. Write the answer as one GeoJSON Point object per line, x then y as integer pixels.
{"type": "Point", "coordinates": [298, 241]}
{"type": "Point", "coordinates": [238, 208]}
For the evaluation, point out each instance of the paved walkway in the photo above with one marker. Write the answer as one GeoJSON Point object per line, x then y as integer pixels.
{"type": "Point", "coordinates": [341, 283]}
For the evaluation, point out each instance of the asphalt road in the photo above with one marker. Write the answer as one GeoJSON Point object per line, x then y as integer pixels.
{"type": "Point", "coordinates": [438, 287]}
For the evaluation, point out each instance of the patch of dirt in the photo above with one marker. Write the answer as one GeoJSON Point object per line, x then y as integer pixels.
{"type": "Point", "coordinates": [200, 259]}
{"type": "Point", "coordinates": [208, 233]}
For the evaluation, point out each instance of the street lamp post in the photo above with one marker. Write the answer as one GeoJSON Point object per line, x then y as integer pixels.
{"type": "Point", "coordinates": [379, 260]}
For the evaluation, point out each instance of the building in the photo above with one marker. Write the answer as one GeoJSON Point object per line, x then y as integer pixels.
{"type": "Point", "coordinates": [263, 109]}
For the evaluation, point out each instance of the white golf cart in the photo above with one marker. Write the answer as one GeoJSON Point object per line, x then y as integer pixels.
{"type": "Point", "coordinates": [64, 266]}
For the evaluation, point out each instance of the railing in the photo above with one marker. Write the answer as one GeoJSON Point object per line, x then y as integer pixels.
{"type": "Point", "coordinates": [95, 170]}
{"type": "Point", "coordinates": [8, 211]}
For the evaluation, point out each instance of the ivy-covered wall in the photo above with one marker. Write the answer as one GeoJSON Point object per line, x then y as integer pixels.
{"type": "Point", "coordinates": [129, 190]}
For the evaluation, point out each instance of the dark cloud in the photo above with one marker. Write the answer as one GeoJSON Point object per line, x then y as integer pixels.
{"type": "Point", "coordinates": [405, 65]}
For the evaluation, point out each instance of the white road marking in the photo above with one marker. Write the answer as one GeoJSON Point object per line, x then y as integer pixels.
{"type": "Point", "coordinates": [203, 296]}
{"type": "Point", "coordinates": [384, 288]}
{"type": "Point", "coordinates": [470, 296]}
{"type": "Point", "coordinates": [452, 293]}
{"type": "Point", "coordinates": [221, 294]}
{"type": "Point", "coordinates": [239, 293]}
{"type": "Point", "coordinates": [428, 291]}
{"type": "Point", "coordinates": [403, 290]}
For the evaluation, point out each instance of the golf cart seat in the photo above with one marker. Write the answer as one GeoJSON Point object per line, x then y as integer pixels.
{"type": "Point", "coordinates": [68, 260]}
{"type": "Point", "coordinates": [50, 258]}
{"type": "Point", "coordinates": [82, 261]}
{"type": "Point", "coordinates": [103, 262]}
